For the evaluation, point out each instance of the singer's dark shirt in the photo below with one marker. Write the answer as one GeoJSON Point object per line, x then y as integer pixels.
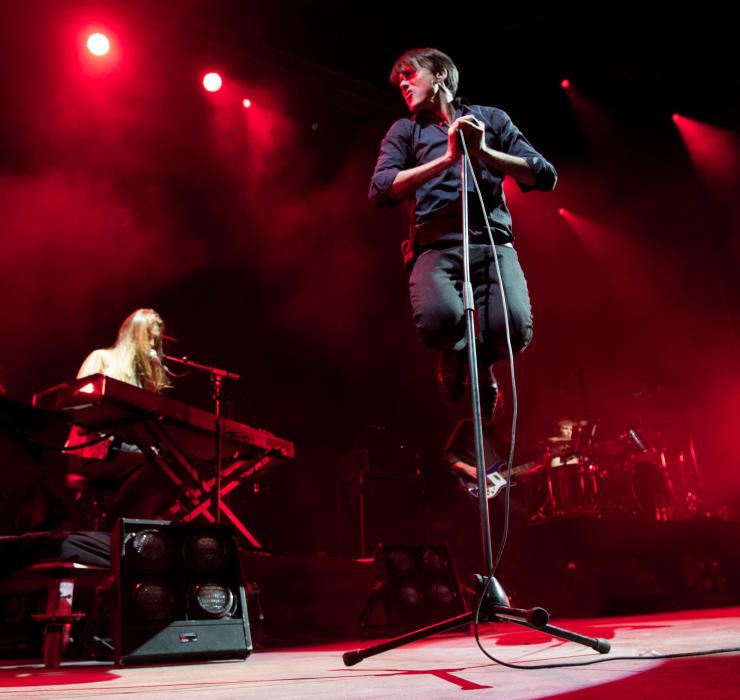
{"type": "Point", "coordinates": [436, 204]}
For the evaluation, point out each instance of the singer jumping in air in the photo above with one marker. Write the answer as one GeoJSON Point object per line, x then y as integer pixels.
{"type": "Point", "coordinates": [419, 162]}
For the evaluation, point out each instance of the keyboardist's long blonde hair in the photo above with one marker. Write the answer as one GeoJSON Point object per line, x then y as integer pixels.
{"type": "Point", "coordinates": [138, 335]}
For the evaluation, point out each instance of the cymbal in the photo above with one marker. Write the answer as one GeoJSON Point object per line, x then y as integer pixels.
{"type": "Point", "coordinates": [570, 422]}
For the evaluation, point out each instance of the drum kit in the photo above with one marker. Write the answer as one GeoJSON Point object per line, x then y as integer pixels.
{"type": "Point", "coordinates": [636, 475]}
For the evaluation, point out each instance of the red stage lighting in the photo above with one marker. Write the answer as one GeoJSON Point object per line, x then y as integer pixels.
{"type": "Point", "coordinates": [247, 103]}
{"type": "Point", "coordinates": [715, 153]}
{"type": "Point", "coordinates": [212, 82]}
{"type": "Point", "coordinates": [562, 212]}
{"type": "Point", "coordinates": [565, 84]}
{"type": "Point", "coordinates": [98, 44]}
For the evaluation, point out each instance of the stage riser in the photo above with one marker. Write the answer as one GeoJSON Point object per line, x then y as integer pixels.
{"type": "Point", "coordinates": [592, 568]}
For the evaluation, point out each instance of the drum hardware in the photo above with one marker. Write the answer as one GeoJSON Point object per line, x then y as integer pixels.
{"type": "Point", "coordinates": [636, 485]}
{"type": "Point", "coordinates": [635, 477]}
{"type": "Point", "coordinates": [639, 474]}
{"type": "Point", "coordinates": [632, 435]}
{"type": "Point", "coordinates": [622, 477]}
{"type": "Point", "coordinates": [571, 485]}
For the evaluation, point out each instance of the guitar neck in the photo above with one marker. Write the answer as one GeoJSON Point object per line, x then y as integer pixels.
{"type": "Point", "coordinates": [519, 468]}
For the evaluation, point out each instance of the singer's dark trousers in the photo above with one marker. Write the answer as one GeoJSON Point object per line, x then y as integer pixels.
{"type": "Point", "coordinates": [435, 289]}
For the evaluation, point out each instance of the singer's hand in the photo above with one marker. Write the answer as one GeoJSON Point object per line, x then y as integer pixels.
{"type": "Point", "coordinates": [474, 132]}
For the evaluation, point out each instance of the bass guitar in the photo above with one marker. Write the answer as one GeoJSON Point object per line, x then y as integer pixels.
{"type": "Point", "coordinates": [496, 478]}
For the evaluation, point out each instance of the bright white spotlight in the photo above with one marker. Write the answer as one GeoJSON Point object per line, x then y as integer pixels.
{"type": "Point", "coordinates": [98, 44]}
{"type": "Point", "coordinates": [212, 82]}
{"type": "Point", "coordinates": [246, 103]}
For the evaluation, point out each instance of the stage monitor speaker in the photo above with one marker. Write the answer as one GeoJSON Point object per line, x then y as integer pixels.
{"type": "Point", "coordinates": [417, 586]}
{"type": "Point", "coordinates": [180, 595]}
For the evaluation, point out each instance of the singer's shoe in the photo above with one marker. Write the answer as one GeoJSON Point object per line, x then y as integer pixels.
{"type": "Point", "coordinates": [488, 392]}
{"type": "Point", "coordinates": [451, 375]}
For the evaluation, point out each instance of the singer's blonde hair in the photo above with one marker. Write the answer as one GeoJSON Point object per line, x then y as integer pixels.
{"type": "Point", "coordinates": [138, 335]}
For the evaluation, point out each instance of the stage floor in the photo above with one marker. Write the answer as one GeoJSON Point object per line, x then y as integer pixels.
{"type": "Point", "coordinates": [440, 667]}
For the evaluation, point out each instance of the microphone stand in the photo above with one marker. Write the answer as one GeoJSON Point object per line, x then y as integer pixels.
{"type": "Point", "coordinates": [493, 603]}
{"type": "Point", "coordinates": [217, 377]}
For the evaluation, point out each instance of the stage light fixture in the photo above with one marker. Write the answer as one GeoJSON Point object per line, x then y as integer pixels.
{"type": "Point", "coordinates": [204, 552]}
{"type": "Point", "coordinates": [150, 550]}
{"type": "Point", "coordinates": [152, 601]}
{"type": "Point", "coordinates": [212, 82]}
{"type": "Point", "coordinates": [440, 595]}
{"type": "Point", "coordinates": [565, 84]}
{"type": "Point", "coordinates": [98, 44]}
{"type": "Point", "coordinates": [211, 601]}
{"type": "Point", "coordinates": [410, 596]}
{"type": "Point", "coordinates": [246, 103]}
{"type": "Point", "coordinates": [400, 562]}
{"type": "Point", "coordinates": [433, 562]}
{"type": "Point", "coordinates": [180, 594]}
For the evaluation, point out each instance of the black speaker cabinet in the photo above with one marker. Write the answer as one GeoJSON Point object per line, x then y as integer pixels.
{"type": "Point", "coordinates": [417, 586]}
{"type": "Point", "coordinates": [179, 592]}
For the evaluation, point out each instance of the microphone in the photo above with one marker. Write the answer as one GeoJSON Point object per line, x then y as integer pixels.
{"type": "Point", "coordinates": [157, 360]}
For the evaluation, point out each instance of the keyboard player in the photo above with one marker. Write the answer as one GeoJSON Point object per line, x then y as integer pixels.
{"type": "Point", "coordinates": [115, 474]}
